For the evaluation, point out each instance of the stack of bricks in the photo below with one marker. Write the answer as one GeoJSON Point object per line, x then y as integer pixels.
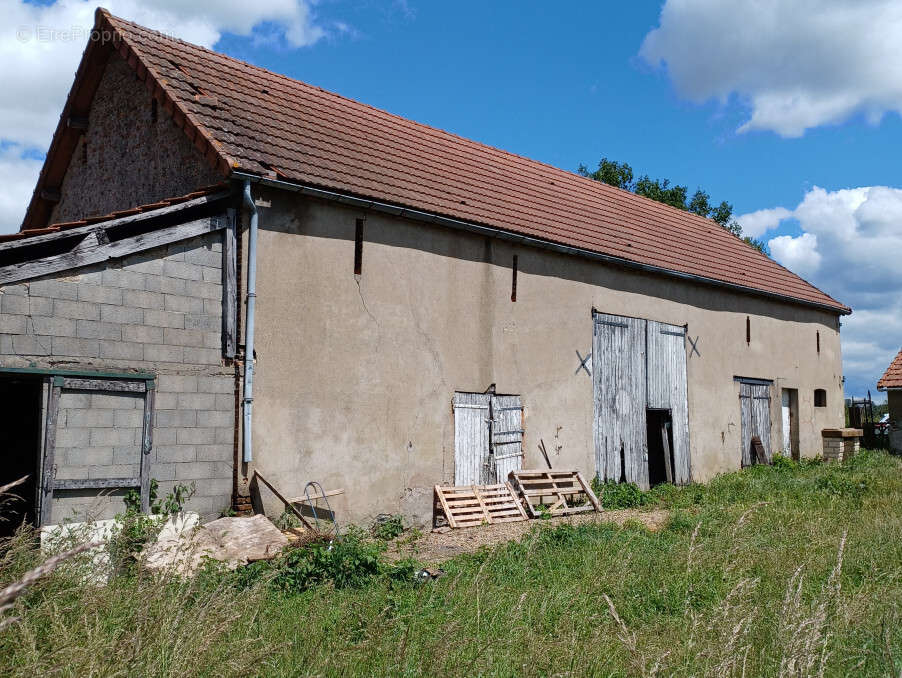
{"type": "Point", "coordinates": [841, 443]}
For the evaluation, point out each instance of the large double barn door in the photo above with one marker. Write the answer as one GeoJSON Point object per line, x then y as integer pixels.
{"type": "Point", "coordinates": [638, 365]}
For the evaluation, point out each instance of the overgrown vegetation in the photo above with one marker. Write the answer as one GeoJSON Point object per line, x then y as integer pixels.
{"type": "Point", "coordinates": [789, 570]}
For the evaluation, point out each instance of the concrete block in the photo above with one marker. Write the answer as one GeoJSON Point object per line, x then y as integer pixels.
{"type": "Point", "coordinates": [92, 275]}
{"type": "Point", "coordinates": [153, 283]}
{"type": "Point", "coordinates": [40, 306]}
{"type": "Point", "coordinates": [176, 337]}
{"type": "Point", "coordinates": [223, 402]}
{"type": "Point", "coordinates": [31, 345]}
{"type": "Point", "coordinates": [6, 344]}
{"type": "Point", "coordinates": [205, 256]}
{"type": "Point", "coordinates": [89, 418]}
{"type": "Point", "coordinates": [90, 456]}
{"type": "Point", "coordinates": [224, 384]}
{"type": "Point", "coordinates": [195, 436]}
{"type": "Point", "coordinates": [214, 418]}
{"type": "Point", "coordinates": [77, 310]}
{"type": "Point", "coordinates": [131, 454]}
{"type": "Point", "coordinates": [210, 274]}
{"type": "Point", "coordinates": [58, 327]}
{"type": "Point", "coordinates": [219, 485]}
{"type": "Point", "coordinates": [164, 436]}
{"type": "Point", "coordinates": [213, 307]}
{"type": "Point", "coordinates": [129, 418]}
{"type": "Point", "coordinates": [113, 437]}
{"type": "Point", "coordinates": [121, 314]}
{"type": "Point", "coordinates": [202, 321]}
{"type": "Point", "coordinates": [142, 334]}
{"type": "Point", "coordinates": [198, 401]}
{"type": "Point", "coordinates": [164, 318]}
{"type": "Point", "coordinates": [175, 453]}
{"type": "Point", "coordinates": [10, 303]}
{"type": "Point", "coordinates": [195, 470]}
{"type": "Point", "coordinates": [121, 350]}
{"type": "Point", "coordinates": [12, 324]}
{"type": "Point", "coordinates": [176, 418]}
{"type": "Point", "coordinates": [116, 471]}
{"type": "Point", "coordinates": [93, 329]}
{"type": "Point", "coordinates": [187, 304]}
{"type": "Point", "coordinates": [142, 299]}
{"type": "Point", "coordinates": [20, 290]}
{"type": "Point", "coordinates": [144, 262]}
{"type": "Point", "coordinates": [70, 436]}
{"type": "Point", "coordinates": [225, 436]}
{"type": "Point", "coordinates": [119, 401]}
{"type": "Point", "coordinates": [162, 471]}
{"type": "Point", "coordinates": [100, 294]}
{"type": "Point", "coordinates": [124, 279]}
{"type": "Point", "coordinates": [217, 452]}
{"type": "Point", "coordinates": [72, 346]}
{"type": "Point", "coordinates": [204, 290]}
{"type": "Point", "coordinates": [173, 286]}
{"type": "Point", "coordinates": [203, 356]}
{"type": "Point", "coordinates": [181, 269]}
{"type": "Point", "coordinates": [176, 383]}
{"type": "Point", "coordinates": [161, 353]}
{"type": "Point", "coordinates": [166, 401]}
{"type": "Point", "coordinates": [55, 289]}
{"type": "Point", "coordinates": [75, 400]}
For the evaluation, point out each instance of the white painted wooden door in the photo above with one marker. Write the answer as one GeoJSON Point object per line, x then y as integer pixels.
{"type": "Point", "coordinates": [471, 438]}
{"type": "Point", "coordinates": [787, 424]}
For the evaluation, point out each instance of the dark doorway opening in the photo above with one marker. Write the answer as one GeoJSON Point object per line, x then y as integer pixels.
{"type": "Point", "coordinates": [20, 445]}
{"type": "Point", "coordinates": [659, 431]}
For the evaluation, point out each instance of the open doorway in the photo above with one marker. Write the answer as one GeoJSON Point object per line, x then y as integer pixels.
{"type": "Point", "coordinates": [790, 417]}
{"type": "Point", "coordinates": [659, 431]}
{"type": "Point", "coordinates": [20, 445]}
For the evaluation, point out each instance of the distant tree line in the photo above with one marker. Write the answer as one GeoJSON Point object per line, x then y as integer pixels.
{"type": "Point", "coordinates": [620, 174]}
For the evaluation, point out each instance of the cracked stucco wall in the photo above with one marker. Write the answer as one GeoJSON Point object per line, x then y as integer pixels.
{"type": "Point", "coordinates": [126, 158]}
{"type": "Point", "coordinates": [358, 396]}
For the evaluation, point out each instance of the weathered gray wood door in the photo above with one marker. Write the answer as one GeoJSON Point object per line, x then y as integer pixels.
{"type": "Point", "coordinates": [754, 409]}
{"type": "Point", "coordinates": [618, 373]}
{"type": "Point", "coordinates": [667, 389]}
{"type": "Point", "coordinates": [506, 436]}
{"type": "Point", "coordinates": [471, 438]}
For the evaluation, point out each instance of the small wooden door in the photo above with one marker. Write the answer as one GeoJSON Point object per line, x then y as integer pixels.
{"type": "Point", "coordinates": [506, 436]}
{"type": "Point", "coordinates": [667, 388]}
{"type": "Point", "coordinates": [471, 438]}
{"type": "Point", "coordinates": [754, 408]}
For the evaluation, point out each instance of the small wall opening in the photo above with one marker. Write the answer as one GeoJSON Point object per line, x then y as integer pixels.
{"type": "Point", "coordinates": [20, 420]}
{"type": "Point", "coordinates": [659, 431]}
{"type": "Point", "coordinates": [820, 397]}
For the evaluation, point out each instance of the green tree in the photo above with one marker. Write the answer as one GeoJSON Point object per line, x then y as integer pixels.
{"type": "Point", "coordinates": [620, 174]}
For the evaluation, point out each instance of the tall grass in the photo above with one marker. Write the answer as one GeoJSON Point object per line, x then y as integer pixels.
{"type": "Point", "coordinates": [784, 571]}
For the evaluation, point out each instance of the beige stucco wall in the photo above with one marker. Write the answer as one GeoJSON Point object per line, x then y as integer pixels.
{"type": "Point", "coordinates": [355, 377]}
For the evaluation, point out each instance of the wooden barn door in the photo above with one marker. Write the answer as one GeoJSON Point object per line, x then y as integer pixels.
{"type": "Point", "coordinates": [754, 408]}
{"type": "Point", "coordinates": [507, 436]}
{"type": "Point", "coordinates": [471, 438]}
{"type": "Point", "coordinates": [667, 390]}
{"type": "Point", "coordinates": [619, 376]}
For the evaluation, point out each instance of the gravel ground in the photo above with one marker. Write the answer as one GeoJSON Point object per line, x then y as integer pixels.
{"type": "Point", "coordinates": [435, 547]}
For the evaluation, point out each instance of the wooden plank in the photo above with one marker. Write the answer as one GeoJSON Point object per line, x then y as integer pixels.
{"type": "Point", "coordinates": [92, 251]}
{"type": "Point", "coordinates": [112, 224]}
{"type": "Point", "coordinates": [137, 386]}
{"type": "Point", "coordinates": [668, 458]}
{"type": "Point", "coordinates": [448, 514]}
{"type": "Point", "coordinates": [590, 495]}
{"type": "Point", "coordinates": [330, 493]}
{"type": "Point", "coordinates": [95, 483]}
{"type": "Point", "coordinates": [291, 507]}
{"type": "Point", "coordinates": [147, 445]}
{"type": "Point", "coordinates": [230, 286]}
{"type": "Point", "coordinates": [482, 505]}
{"type": "Point", "coordinates": [48, 470]}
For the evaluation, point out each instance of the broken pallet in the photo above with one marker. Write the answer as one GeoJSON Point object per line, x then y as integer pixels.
{"type": "Point", "coordinates": [560, 487]}
{"type": "Point", "coordinates": [472, 505]}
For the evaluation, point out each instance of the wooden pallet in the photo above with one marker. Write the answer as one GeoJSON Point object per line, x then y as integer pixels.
{"type": "Point", "coordinates": [472, 505]}
{"type": "Point", "coordinates": [555, 489]}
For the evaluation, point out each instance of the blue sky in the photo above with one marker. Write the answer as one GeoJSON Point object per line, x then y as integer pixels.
{"type": "Point", "coordinates": [791, 108]}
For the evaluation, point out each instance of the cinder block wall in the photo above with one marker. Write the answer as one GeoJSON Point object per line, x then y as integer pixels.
{"type": "Point", "coordinates": [157, 311]}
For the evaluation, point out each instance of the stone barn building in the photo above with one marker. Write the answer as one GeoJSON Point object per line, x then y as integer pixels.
{"type": "Point", "coordinates": [224, 270]}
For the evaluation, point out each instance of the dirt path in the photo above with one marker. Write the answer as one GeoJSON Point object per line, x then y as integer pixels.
{"type": "Point", "coordinates": [435, 547]}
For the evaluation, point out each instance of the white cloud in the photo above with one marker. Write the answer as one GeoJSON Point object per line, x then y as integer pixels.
{"type": "Point", "coordinates": [851, 247]}
{"type": "Point", "coordinates": [797, 65]}
{"type": "Point", "coordinates": [41, 45]}
{"type": "Point", "coordinates": [756, 224]}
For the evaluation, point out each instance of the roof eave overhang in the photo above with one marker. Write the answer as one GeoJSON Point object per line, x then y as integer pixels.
{"type": "Point", "coordinates": [407, 212]}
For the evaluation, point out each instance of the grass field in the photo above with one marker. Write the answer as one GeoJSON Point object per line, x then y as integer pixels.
{"type": "Point", "coordinates": [773, 571]}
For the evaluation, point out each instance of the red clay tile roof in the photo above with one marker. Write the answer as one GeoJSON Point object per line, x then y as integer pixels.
{"type": "Point", "coordinates": [892, 378]}
{"type": "Point", "coordinates": [138, 209]}
{"type": "Point", "coordinates": [249, 119]}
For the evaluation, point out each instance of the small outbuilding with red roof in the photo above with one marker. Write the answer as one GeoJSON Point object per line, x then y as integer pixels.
{"type": "Point", "coordinates": [891, 382]}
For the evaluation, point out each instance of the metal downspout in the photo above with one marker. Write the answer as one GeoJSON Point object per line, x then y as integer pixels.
{"type": "Point", "coordinates": [248, 400]}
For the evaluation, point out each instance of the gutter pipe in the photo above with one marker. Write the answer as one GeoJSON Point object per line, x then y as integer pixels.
{"type": "Point", "coordinates": [248, 399]}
